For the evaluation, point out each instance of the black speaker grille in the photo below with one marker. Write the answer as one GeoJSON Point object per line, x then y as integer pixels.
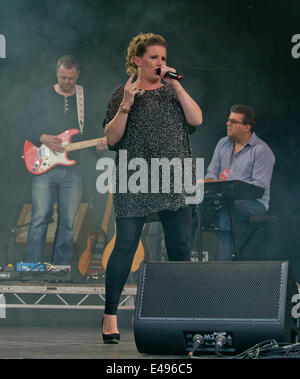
{"type": "Point", "coordinates": [211, 290]}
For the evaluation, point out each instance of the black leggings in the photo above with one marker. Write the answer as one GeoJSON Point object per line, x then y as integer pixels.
{"type": "Point", "coordinates": [177, 230]}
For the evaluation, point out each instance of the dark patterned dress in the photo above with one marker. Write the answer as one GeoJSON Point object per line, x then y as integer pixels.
{"type": "Point", "coordinates": [156, 128]}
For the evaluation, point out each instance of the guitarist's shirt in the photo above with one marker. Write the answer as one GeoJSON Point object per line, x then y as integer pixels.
{"type": "Point", "coordinates": [51, 113]}
{"type": "Point", "coordinates": [156, 128]}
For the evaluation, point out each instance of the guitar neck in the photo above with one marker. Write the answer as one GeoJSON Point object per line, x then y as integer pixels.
{"type": "Point", "coordinates": [81, 144]}
{"type": "Point", "coordinates": [108, 207]}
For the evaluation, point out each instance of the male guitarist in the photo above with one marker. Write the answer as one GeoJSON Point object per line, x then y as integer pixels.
{"type": "Point", "coordinates": [55, 109]}
{"type": "Point", "coordinates": [243, 156]}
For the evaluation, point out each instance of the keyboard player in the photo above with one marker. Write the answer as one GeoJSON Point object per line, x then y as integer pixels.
{"type": "Point", "coordinates": [241, 155]}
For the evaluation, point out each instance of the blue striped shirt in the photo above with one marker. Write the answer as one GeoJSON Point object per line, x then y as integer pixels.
{"type": "Point", "coordinates": [252, 164]}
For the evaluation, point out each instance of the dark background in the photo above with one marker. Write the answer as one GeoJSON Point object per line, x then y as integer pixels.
{"type": "Point", "coordinates": [229, 51]}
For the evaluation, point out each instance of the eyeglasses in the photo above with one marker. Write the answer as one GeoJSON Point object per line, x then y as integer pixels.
{"type": "Point", "coordinates": [234, 122]}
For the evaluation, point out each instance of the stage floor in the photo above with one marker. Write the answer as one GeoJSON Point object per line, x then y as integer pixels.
{"type": "Point", "coordinates": [39, 325]}
{"type": "Point", "coordinates": [31, 342]}
{"type": "Point", "coordinates": [55, 333]}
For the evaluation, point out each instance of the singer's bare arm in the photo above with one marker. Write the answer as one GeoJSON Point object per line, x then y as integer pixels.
{"type": "Point", "coordinates": [192, 111]}
{"type": "Point", "coordinates": [115, 129]}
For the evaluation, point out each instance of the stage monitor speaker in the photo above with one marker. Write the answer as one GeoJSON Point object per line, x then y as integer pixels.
{"type": "Point", "coordinates": [243, 302]}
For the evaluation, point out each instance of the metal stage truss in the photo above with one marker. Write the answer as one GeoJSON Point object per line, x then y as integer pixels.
{"type": "Point", "coordinates": [60, 296]}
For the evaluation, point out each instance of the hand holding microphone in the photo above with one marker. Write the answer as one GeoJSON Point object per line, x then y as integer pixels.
{"type": "Point", "coordinates": [165, 72]}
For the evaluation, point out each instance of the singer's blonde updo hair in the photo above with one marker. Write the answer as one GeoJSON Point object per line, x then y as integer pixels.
{"type": "Point", "coordinates": [138, 47]}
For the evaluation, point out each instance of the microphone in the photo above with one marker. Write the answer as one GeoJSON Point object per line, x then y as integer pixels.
{"type": "Point", "coordinates": [171, 74]}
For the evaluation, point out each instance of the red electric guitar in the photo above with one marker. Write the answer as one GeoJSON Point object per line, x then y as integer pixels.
{"type": "Point", "coordinates": [39, 160]}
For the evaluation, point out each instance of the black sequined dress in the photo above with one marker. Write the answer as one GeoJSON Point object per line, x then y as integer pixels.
{"type": "Point", "coordinates": [156, 128]}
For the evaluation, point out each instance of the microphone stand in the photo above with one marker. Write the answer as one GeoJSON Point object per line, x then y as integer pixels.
{"type": "Point", "coordinates": [9, 246]}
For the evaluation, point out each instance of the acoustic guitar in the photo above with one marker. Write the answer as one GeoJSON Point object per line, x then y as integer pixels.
{"type": "Point", "coordinates": [139, 254]}
{"type": "Point", "coordinates": [145, 242]}
{"type": "Point", "coordinates": [90, 262]}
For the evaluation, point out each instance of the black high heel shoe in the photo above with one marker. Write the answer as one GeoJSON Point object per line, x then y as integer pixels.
{"type": "Point", "coordinates": [112, 338]}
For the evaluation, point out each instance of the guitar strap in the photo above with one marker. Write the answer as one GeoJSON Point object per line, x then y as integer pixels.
{"type": "Point", "coordinates": [80, 106]}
